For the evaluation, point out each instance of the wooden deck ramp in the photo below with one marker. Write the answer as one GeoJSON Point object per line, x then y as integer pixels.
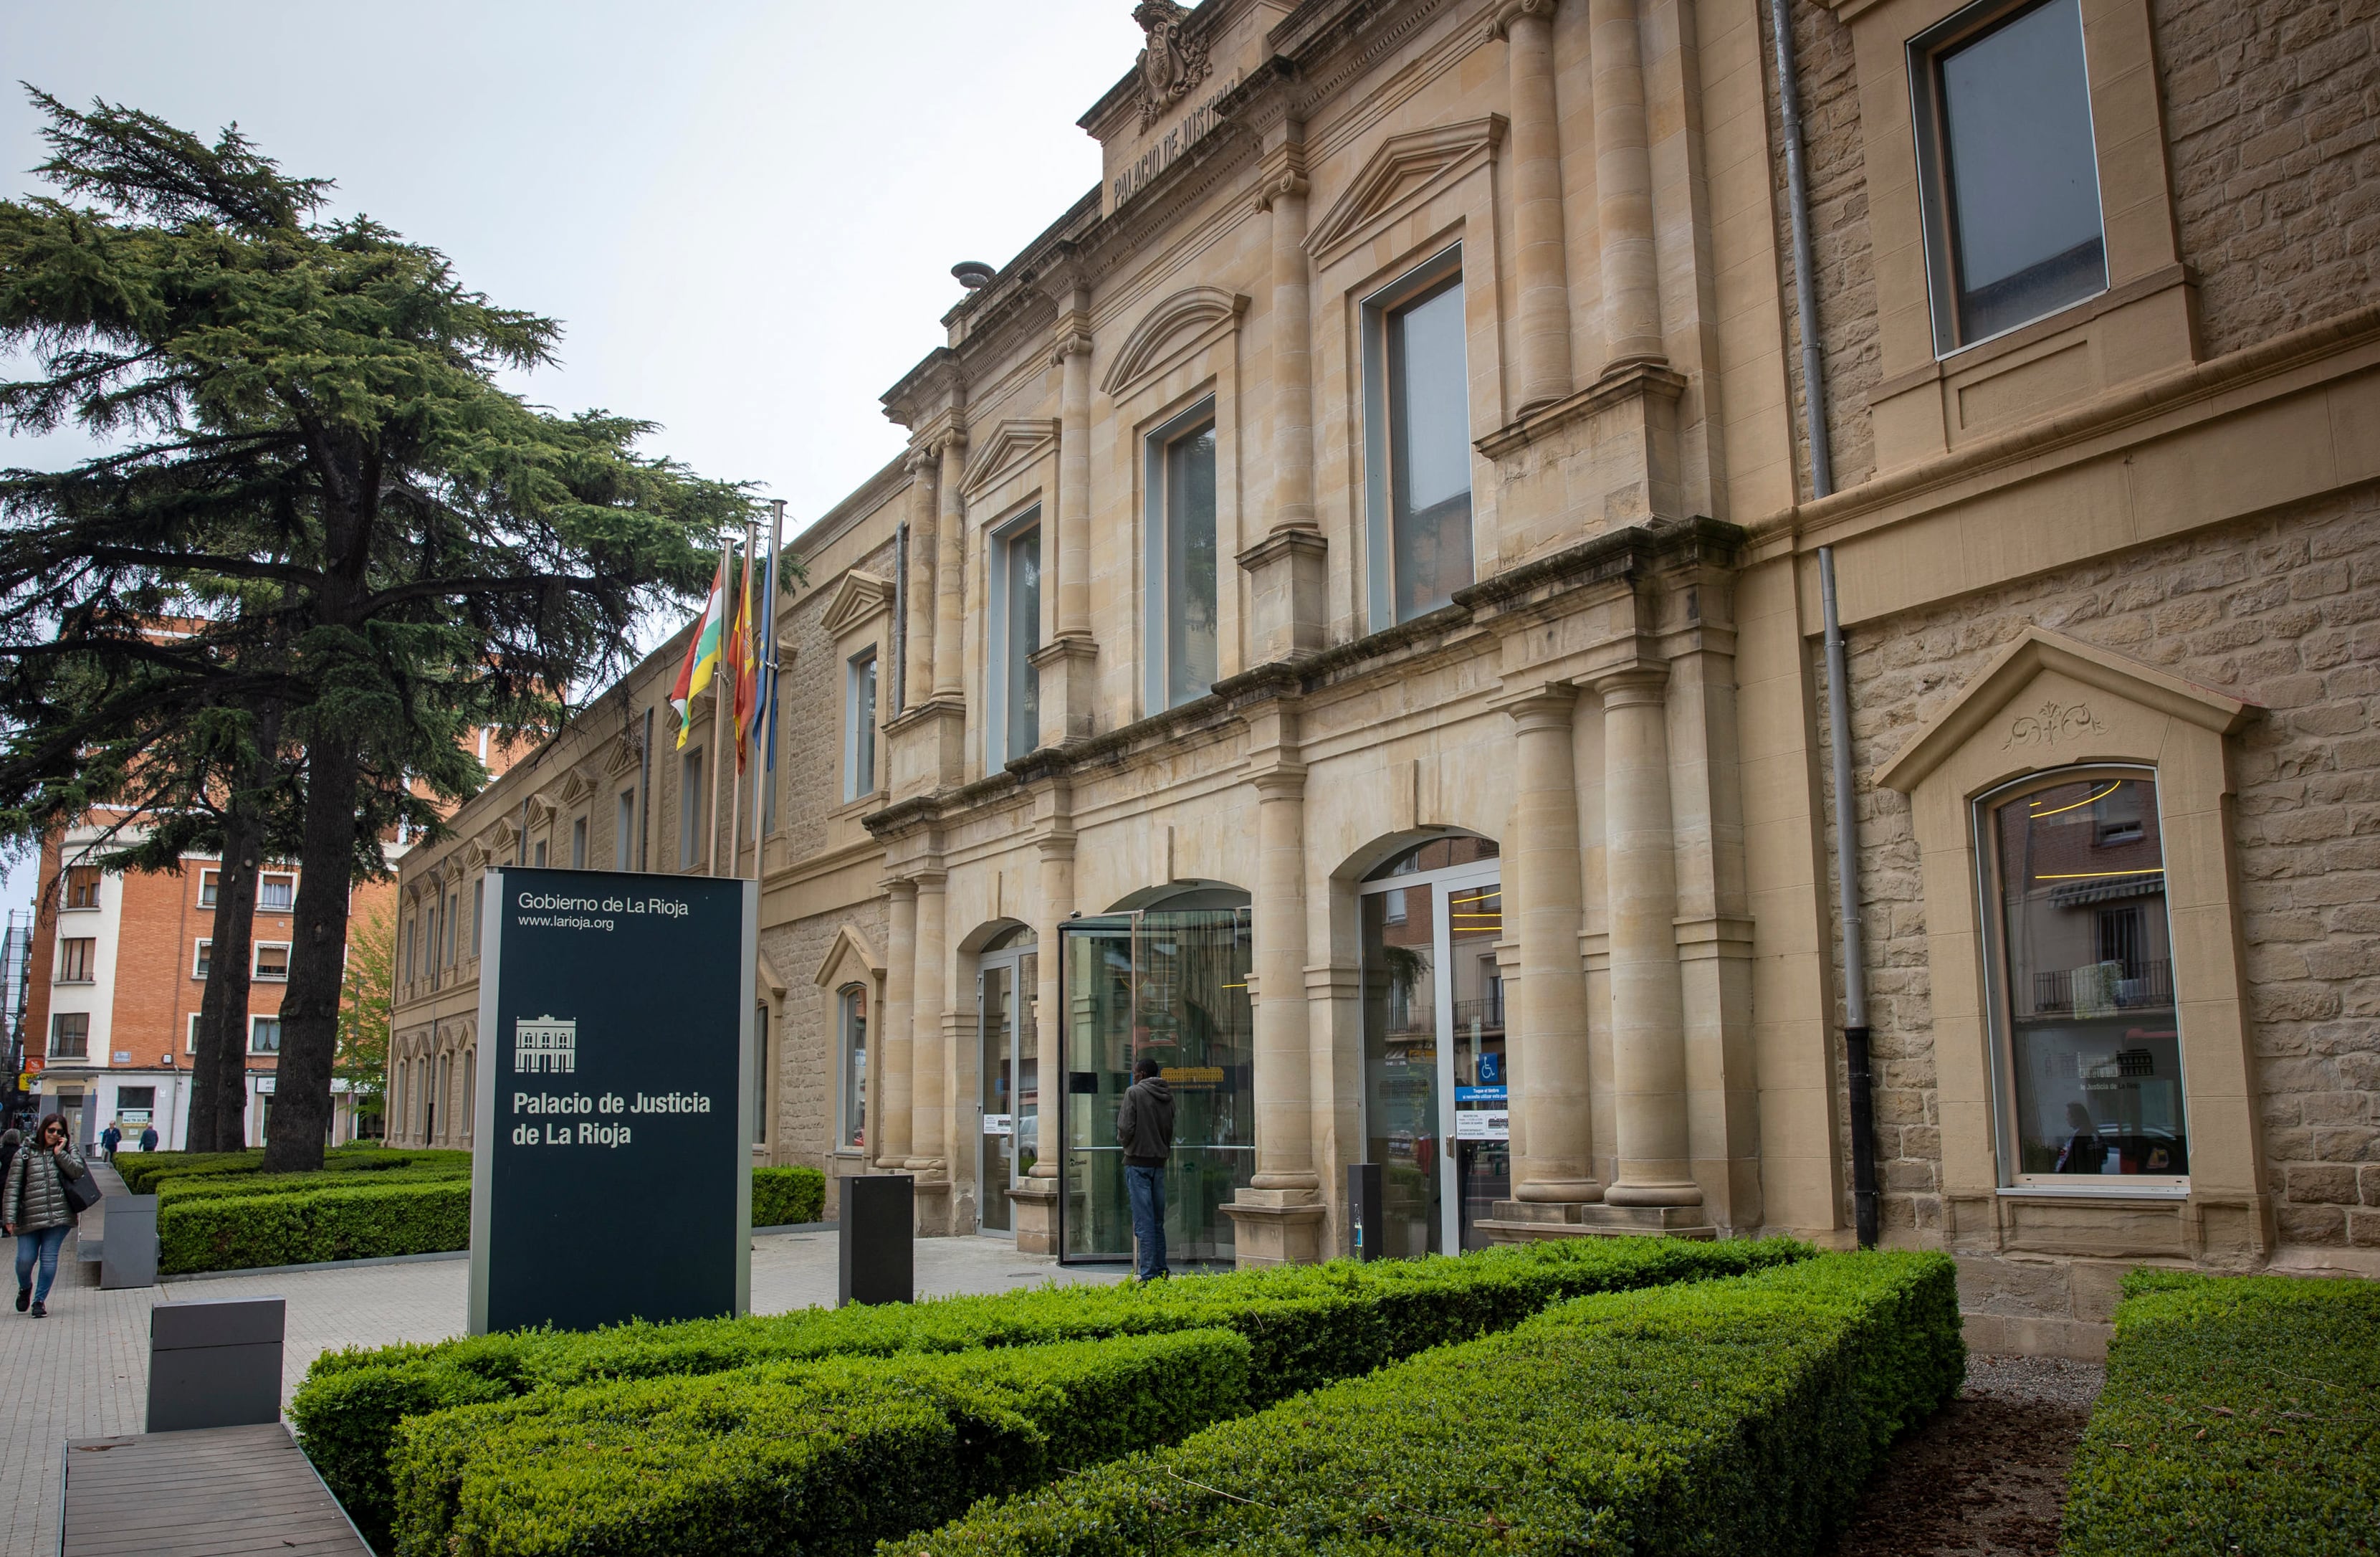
{"type": "Point", "coordinates": [209, 1492]}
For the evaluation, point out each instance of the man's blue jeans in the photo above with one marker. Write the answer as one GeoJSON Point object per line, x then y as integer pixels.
{"type": "Point", "coordinates": [45, 1246]}
{"type": "Point", "coordinates": [1146, 1187]}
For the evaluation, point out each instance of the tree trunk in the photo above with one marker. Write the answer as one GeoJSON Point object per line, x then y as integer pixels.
{"type": "Point", "coordinates": [218, 1070]}
{"type": "Point", "coordinates": [318, 959]}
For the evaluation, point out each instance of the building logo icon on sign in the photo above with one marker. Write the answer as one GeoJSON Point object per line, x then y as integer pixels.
{"type": "Point", "coordinates": [543, 1045]}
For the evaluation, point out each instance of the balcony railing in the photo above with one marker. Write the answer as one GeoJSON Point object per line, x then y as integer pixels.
{"type": "Point", "coordinates": [2103, 989]}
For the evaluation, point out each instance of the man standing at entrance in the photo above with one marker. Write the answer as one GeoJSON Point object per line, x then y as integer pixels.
{"type": "Point", "coordinates": [1145, 1130]}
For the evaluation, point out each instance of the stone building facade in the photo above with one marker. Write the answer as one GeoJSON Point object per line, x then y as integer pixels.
{"type": "Point", "coordinates": [1349, 625]}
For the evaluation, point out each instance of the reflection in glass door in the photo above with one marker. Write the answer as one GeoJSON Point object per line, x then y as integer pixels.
{"type": "Point", "coordinates": [1435, 1084]}
{"type": "Point", "coordinates": [1008, 1077]}
{"type": "Point", "coordinates": [1174, 985]}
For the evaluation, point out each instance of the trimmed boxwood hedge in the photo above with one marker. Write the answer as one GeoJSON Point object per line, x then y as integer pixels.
{"type": "Point", "coordinates": [786, 1196]}
{"type": "Point", "coordinates": [2240, 1414]}
{"type": "Point", "coordinates": [145, 1172]}
{"type": "Point", "coordinates": [814, 1457]}
{"type": "Point", "coordinates": [1307, 1325]}
{"type": "Point", "coordinates": [1739, 1415]}
{"type": "Point", "coordinates": [370, 1220]}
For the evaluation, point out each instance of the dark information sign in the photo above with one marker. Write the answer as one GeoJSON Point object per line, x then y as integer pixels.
{"type": "Point", "coordinates": [611, 1178]}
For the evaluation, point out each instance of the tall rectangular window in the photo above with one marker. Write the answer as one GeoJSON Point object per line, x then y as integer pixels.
{"type": "Point", "coordinates": [1014, 726]}
{"type": "Point", "coordinates": [82, 886]}
{"type": "Point", "coordinates": [2008, 170]}
{"type": "Point", "coordinates": [70, 1035]}
{"type": "Point", "coordinates": [852, 1018]}
{"type": "Point", "coordinates": [690, 808]}
{"type": "Point", "coordinates": [761, 1073]}
{"type": "Point", "coordinates": [623, 832]}
{"type": "Point", "coordinates": [453, 901]}
{"type": "Point", "coordinates": [1416, 443]}
{"type": "Point", "coordinates": [859, 724]}
{"type": "Point", "coordinates": [1182, 663]}
{"type": "Point", "coordinates": [208, 882]}
{"type": "Point", "coordinates": [537, 855]}
{"type": "Point", "coordinates": [478, 905]}
{"type": "Point", "coordinates": [76, 959]}
{"type": "Point", "coordinates": [578, 844]}
{"type": "Point", "coordinates": [203, 958]}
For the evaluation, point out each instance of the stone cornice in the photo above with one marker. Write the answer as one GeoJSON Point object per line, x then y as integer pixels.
{"type": "Point", "coordinates": [1654, 378]}
{"type": "Point", "coordinates": [1622, 553]}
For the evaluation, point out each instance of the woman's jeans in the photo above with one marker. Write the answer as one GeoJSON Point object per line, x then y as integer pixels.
{"type": "Point", "coordinates": [1146, 1187]}
{"type": "Point", "coordinates": [45, 1245]}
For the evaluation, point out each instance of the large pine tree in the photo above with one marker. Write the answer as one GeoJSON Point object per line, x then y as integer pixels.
{"type": "Point", "coordinates": [360, 543]}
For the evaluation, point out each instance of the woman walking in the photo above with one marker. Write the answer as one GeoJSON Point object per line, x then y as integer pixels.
{"type": "Point", "coordinates": [34, 1206]}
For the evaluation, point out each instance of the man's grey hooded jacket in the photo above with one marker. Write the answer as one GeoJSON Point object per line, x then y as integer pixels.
{"type": "Point", "coordinates": [1145, 1124]}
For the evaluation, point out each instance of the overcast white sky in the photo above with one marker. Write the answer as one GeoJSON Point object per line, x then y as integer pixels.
{"type": "Point", "coordinates": [743, 214]}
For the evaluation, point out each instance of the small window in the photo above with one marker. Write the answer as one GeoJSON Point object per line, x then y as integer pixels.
{"type": "Point", "coordinates": [2089, 1042]}
{"type": "Point", "coordinates": [537, 857]}
{"type": "Point", "coordinates": [578, 844]}
{"type": "Point", "coordinates": [1417, 435]}
{"type": "Point", "coordinates": [624, 833]}
{"type": "Point", "coordinates": [76, 959]}
{"type": "Point", "coordinates": [690, 808]}
{"type": "Point", "coordinates": [70, 1035]}
{"type": "Point", "coordinates": [852, 1018]}
{"type": "Point", "coordinates": [199, 963]}
{"type": "Point", "coordinates": [859, 725]}
{"type": "Point", "coordinates": [276, 894]}
{"type": "Point", "coordinates": [479, 906]}
{"type": "Point", "coordinates": [1183, 616]}
{"type": "Point", "coordinates": [1014, 726]}
{"type": "Point", "coordinates": [2007, 168]}
{"type": "Point", "coordinates": [140, 1100]}
{"type": "Point", "coordinates": [264, 1035]}
{"type": "Point", "coordinates": [209, 883]}
{"type": "Point", "coordinates": [272, 960]}
{"type": "Point", "coordinates": [82, 886]}
{"type": "Point", "coordinates": [454, 922]}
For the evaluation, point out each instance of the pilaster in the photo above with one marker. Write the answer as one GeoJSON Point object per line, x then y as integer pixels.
{"type": "Point", "coordinates": [1541, 263]}
{"type": "Point", "coordinates": [1287, 568]}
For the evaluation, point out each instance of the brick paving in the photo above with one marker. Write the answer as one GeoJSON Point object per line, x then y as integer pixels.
{"type": "Point", "coordinates": [83, 1372]}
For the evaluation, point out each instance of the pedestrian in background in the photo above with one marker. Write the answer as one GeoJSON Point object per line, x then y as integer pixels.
{"type": "Point", "coordinates": [109, 1139]}
{"type": "Point", "coordinates": [34, 1206]}
{"type": "Point", "coordinates": [148, 1138]}
{"type": "Point", "coordinates": [1145, 1130]}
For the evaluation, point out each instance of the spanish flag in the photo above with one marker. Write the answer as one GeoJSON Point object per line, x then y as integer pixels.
{"type": "Point", "coordinates": [702, 654]}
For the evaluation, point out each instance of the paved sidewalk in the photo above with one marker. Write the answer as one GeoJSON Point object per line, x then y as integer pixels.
{"type": "Point", "coordinates": [83, 1372]}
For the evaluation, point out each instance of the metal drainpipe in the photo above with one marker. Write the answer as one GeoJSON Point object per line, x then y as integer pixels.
{"type": "Point", "coordinates": [1856, 1062]}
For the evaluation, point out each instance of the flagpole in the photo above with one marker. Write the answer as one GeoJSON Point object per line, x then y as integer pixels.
{"type": "Point", "coordinates": [764, 701]}
{"type": "Point", "coordinates": [718, 696]}
{"type": "Point", "coordinates": [735, 736]}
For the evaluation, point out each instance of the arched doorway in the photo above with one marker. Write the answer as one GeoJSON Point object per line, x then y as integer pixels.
{"type": "Point", "coordinates": [1165, 975]}
{"type": "Point", "coordinates": [1007, 1074]}
{"type": "Point", "coordinates": [1437, 1082]}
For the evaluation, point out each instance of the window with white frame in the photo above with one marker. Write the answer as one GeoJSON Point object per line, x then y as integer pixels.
{"type": "Point", "coordinates": [1179, 561]}
{"type": "Point", "coordinates": [191, 1039]}
{"type": "Point", "coordinates": [210, 882]}
{"type": "Point", "coordinates": [624, 831]}
{"type": "Point", "coordinates": [1012, 725]}
{"type": "Point", "coordinates": [2008, 172]}
{"type": "Point", "coordinates": [2088, 1041]}
{"type": "Point", "coordinates": [264, 1035]}
{"type": "Point", "coordinates": [69, 1035]}
{"type": "Point", "coordinates": [201, 958]}
{"type": "Point", "coordinates": [1416, 443]}
{"type": "Point", "coordinates": [276, 894]}
{"type": "Point", "coordinates": [859, 724]}
{"type": "Point", "coordinates": [851, 1022]}
{"type": "Point", "coordinates": [272, 961]}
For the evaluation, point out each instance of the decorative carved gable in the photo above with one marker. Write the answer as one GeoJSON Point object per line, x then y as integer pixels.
{"type": "Point", "coordinates": [848, 956]}
{"type": "Point", "coordinates": [1014, 444]}
{"type": "Point", "coordinates": [857, 598]}
{"type": "Point", "coordinates": [1406, 170]}
{"type": "Point", "coordinates": [1188, 322]}
{"type": "Point", "coordinates": [575, 786]}
{"type": "Point", "coordinates": [2053, 730]}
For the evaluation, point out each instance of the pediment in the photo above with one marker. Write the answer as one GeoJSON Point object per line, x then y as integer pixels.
{"type": "Point", "coordinates": [857, 598]}
{"type": "Point", "coordinates": [2000, 693]}
{"type": "Point", "coordinates": [575, 786]}
{"type": "Point", "coordinates": [1009, 448]}
{"type": "Point", "coordinates": [1184, 322]}
{"type": "Point", "coordinates": [1404, 171]}
{"type": "Point", "coordinates": [848, 955]}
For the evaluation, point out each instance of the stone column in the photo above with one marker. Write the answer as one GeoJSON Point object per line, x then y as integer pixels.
{"type": "Point", "coordinates": [918, 632]}
{"type": "Point", "coordinates": [888, 1118]}
{"type": "Point", "coordinates": [1556, 1164]}
{"type": "Point", "coordinates": [1070, 559]}
{"type": "Point", "coordinates": [1541, 259]}
{"type": "Point", "coordinates": [950, 575]}
{"type": "Point", "coordinates": [1037, 1199]}
{"type": "Point", "coordinates": [928, 1125]}
{"type": "Point", "coordinates": [1286, 567]}
{"type": "Point", "coordinates": [1623, 184]}
{"type": "Point", "coordinates": [1649, 1042]}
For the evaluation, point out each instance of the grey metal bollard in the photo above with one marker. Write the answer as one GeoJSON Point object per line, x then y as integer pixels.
{"type": "Point", "coordinates": [128, 1251]}
{"type": "Point", "coordinates": [1366, 1227]}
{"type": "Point", "coordinates": [215, 1363]}
{"type": "Point", "coordinates": [876, 1240]}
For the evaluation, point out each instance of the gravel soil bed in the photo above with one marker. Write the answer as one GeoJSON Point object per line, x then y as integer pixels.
{"type": "Point", "coordinates": [1987, 1477]}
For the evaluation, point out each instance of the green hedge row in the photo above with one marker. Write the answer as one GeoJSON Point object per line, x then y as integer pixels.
{"type": "Point", "coordinates": [786, 1196]}
{"type": "Point", "coordinates": [1307, 1325]}
{"type": "Point", "coordinates": [367, 1221]}
{"type": "Point", "coordinates": [1723, 1416]}
{"type": "Point", "coordinates": [180, 1189]}
{"type": "Point", "coordinates": [2240, 1414]}
{"type": "Point", "coordinates": [811, 1457]}
{"type": "Point", "coordinates": [144, 1171]}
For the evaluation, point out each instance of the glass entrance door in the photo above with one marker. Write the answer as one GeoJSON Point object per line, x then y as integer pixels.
{"type": "Point", "coordinates": [1436, 1083]}
{"type": "Point", "coordinates": [1008, 1079]}
{"type": "Point", "coordinates": [1173, 985]}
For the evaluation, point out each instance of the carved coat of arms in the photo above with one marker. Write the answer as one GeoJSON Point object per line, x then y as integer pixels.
{"type": "Point", "coordinates": [1172, 64]}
